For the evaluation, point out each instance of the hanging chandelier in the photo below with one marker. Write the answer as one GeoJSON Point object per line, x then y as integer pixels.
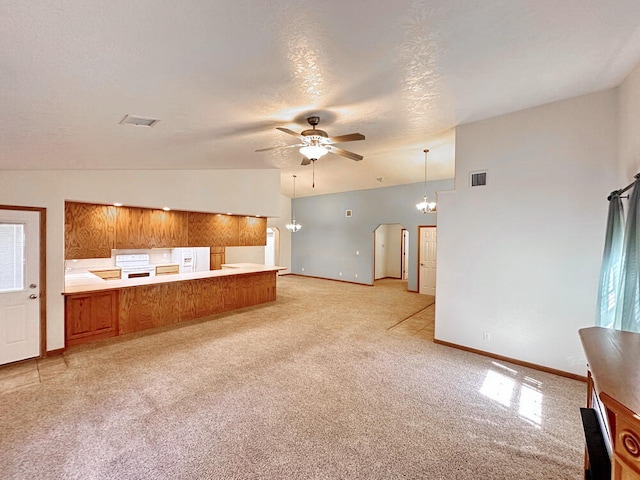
{"type": "Point", "coordinates": [425, 206]}
{"type": "Point", "coordinates": [293, 227]}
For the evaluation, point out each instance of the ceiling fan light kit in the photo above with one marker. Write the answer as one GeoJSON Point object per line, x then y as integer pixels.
{"type": "Point", "coordinates": [425, 206]}
{"type": "Point", "coordinates": [316, 143]}
{"type": "Point", "coordinates": [313, 152]}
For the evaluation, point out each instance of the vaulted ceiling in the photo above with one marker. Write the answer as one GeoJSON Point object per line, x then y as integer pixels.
{"type": "Point", "coordinates": [221, 75]}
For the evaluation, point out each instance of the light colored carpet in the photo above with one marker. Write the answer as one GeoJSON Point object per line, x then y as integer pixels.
{"type": "Point", "coordinates": [311, 386]}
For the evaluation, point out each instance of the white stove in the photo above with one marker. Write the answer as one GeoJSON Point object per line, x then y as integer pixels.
{"type": "Point", "coordinates": [136, 265]}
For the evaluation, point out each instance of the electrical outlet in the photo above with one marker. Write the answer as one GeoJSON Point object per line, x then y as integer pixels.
{"type": "Point", "coordinates": [340, 273]}
{"type": "Point", "coordinates": [486, 336]}
{"type": "Point", "coordinates": [302, 269]}
{"type": "Point", "coordinates": [356, 275]}
{"type": "Point", "coordinates": [357, 252]}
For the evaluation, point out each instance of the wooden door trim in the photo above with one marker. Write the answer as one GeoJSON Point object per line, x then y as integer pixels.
{"type": "Point", "coordinates": [43, 270]}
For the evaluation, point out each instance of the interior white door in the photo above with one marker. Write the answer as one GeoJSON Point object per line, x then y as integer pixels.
{"type": "Point", "coordinates": [427, 260]}
{"type": "Point", "coordinates": [19, 285]}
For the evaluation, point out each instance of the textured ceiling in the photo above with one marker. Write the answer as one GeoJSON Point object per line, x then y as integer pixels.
{"type": "Point", "coordinates": [221, 75]}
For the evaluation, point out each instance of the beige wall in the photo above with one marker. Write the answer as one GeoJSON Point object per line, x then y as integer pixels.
{"type": "Point", "coordinates": [279, 222]}
{"type": "Point", "coordinates": [520, 258]}
{"type": "Point", "coordinates": [629, 127]}
{"type": "Point", "coordinates": [251, 192]}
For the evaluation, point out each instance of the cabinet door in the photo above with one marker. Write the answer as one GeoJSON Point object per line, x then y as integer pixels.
{"type": "Point", "coordinates": [252, 231]}
{"type": "Point", "coordinates": [167, 229]}
{"type": "Point", "coordinates": [217, 259]}
{"type": "Point", "coordinates": [150, 228]}
{"type": "Point", "coordinates": [133, 228]}
{"type": "Point", "coordinates": [90, 230]}
{"type": "Point", "coordinates": [212, 230]}
{"type": "Point", "coordinates": [90, 317]}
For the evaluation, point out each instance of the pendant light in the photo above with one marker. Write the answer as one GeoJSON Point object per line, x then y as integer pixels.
{"type": "Point", "coordinates": [425, 206]}
{"type": "Point", "coordinates": [293, 227]}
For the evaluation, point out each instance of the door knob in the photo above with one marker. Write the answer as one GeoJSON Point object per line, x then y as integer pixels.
{"type": "Point", "coordinates": [33, 296]}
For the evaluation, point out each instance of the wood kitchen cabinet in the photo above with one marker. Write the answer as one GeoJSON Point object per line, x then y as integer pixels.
{"type": "Point", "coordinates": [212, 230]}
{"type": "Point", "coordinates": [148, 306]}
{"type": "Point", "coordinates": [90, 317]}
{"type": "Point", "coordinates": [200, 298]}
{"type": "Point", "coordinates": [216, 258]}
{"type": "Point", "coordinates": [252, 231]}
{"type": "Point", "coordinates": [90, 230]}
{"type": "Point", "coordinates": [255, 288]}
{"type": "Point", "coordinates": [138, 228]}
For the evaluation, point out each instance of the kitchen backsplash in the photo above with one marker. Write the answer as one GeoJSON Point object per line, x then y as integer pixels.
{"type": "Point", "coordinates": [156, 256]}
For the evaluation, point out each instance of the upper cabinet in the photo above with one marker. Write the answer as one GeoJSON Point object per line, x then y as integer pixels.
{"type": "Point", "coordinates": [212, 230]}
{"type": "Point", "coordinates": [90, 230]}
{"type": "Point", "coordinates": [252, 231]}
{"type": "Point", "coordinates": [149, 228]}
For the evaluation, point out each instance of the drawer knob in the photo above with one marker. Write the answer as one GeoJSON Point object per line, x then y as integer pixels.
{"type": "Point", "coordinates": [630, 443]}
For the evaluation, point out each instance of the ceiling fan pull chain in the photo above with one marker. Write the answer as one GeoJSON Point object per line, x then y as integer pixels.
{"type": "Point", "coordinates": [313, 170]}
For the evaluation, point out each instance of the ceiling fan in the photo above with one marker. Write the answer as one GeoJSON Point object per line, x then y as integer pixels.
{"type": "Point", "coordinates": [316, 143]}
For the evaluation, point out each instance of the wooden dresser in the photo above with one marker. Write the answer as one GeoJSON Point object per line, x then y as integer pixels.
{"type": "Point", "coordinates": [613, 385]}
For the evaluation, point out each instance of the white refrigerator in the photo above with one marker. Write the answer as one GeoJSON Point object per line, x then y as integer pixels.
{"type": "Point", "coordinates": [191, 259]}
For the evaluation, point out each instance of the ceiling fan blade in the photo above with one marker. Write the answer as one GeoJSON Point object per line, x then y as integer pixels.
{"type": "Point", "coordinates": [352, 137]}
{"type": "Point", "coordinates": [281, 146]}
{"type": "Point", "coordinates": [305, 161]}
{"type": "Point", "coordinates": [290, 132]}
{"type": "Point", "coordinates": [344, 153]}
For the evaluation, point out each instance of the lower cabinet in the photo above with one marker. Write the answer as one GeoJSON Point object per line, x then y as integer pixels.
{"type": "Point", "coordinates": [148, 306]}
{"type": "Point", "coordinates": [97, 315]}
{"type": "Point", "coordinates": [91, 316]}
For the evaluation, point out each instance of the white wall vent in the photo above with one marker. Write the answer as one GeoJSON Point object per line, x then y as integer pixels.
{"type": "Point", "coordinates": [348, 213]}
{"type": "Point", "coordinates": [138, 121]}
{"type": "Point", "coordinates": [478, 179]}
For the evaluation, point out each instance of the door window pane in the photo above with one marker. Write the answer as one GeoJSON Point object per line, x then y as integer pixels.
{"type": "Point", "coordinates": [11, 257]}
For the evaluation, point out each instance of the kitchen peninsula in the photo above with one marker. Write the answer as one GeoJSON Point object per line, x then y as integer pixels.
{"type": "Point", "coordinates": [96, 308]}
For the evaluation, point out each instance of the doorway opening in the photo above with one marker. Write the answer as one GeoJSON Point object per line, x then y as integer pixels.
{"type": "Point", "coordinates": [389, 256]}
{"type": "Point", "coordinates": [272, 249]}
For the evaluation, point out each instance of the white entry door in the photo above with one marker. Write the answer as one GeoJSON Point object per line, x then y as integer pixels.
{"type": "Point", "coordinates": [19, 285]}
{"type": "Point", "coordinates": [428, 260]}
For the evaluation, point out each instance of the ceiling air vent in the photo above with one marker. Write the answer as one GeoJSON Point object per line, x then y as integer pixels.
{"type": "Point", "coordinates": [138, 121]}
{"type": "Point", "coordinates": [478, 179]}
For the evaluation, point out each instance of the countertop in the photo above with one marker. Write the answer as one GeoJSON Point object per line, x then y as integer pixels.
{"type": "Point", "coordinates": [87, 282]}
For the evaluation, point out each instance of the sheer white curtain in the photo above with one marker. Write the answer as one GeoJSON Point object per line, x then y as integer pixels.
{"type": "Point", "coordinates": [611, 264]}
{"type": "Point", "coordinates": [628, 300]}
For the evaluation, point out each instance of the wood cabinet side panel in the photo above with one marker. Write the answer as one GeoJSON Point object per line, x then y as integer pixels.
{"type": "Point", "coordinates": [90, 230]}
{"type": "Point", "coordinates": [148, 306]}
{"type": "Point", "coordinates": [255, 288]}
